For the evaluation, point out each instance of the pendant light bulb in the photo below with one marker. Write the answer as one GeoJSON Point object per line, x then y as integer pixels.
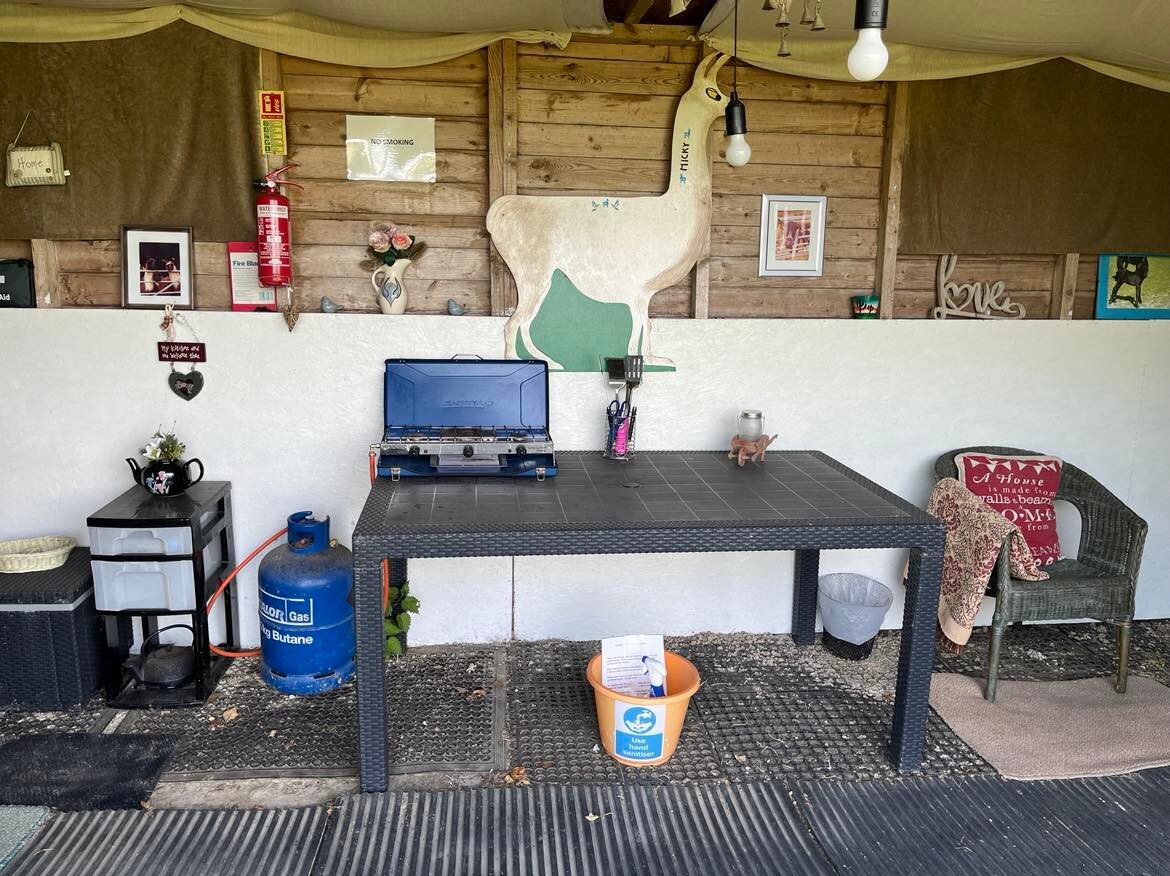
{"type": "Point", "coordinates": [738, 152]}
{"type": "Point", "coordinates": [869, 56]}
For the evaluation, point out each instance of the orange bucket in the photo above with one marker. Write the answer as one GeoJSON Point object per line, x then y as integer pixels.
{"type": "Point", "coordinates": [644, 731]}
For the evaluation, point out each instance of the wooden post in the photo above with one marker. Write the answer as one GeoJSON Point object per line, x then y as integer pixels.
{"type": "Point", "coordinates": [271, 79]}
{"type": "Point", "coordinates": [502, 148]}
{"type": "Point", "coordinates": [890, 216]}
{"type": "Point", "coordinates": [46, 273]}
{"type": "Point", "coordinates": [1064, 285]}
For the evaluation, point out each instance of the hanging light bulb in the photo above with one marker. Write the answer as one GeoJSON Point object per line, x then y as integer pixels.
{"type": "Point", "coordinates": [869, 56]}
{"type": "Point", "coordinates": [738, 152]}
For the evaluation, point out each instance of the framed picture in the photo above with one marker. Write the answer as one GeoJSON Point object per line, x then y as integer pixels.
{"type": "Point", "coordinates": [1133, 286]}
{"type": "Point", "coordinates": [158, 268]}
{"type": "Point", "coordinates": [792, 235]}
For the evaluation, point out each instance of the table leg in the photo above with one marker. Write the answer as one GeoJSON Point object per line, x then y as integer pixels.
{"type": "Point", "coordinates": [371, 676]}
{"type": "Point", "coordinates": [804, 597]}
{"type": "Point", "coordinates": [916, 659]}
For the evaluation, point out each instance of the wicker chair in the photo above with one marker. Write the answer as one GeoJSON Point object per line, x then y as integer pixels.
{"type": "Point", "coordinates": [1099, 583]}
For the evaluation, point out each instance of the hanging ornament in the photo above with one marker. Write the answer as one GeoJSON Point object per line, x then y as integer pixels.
{"type": "Point", "coordinates": [291, 311]}
{"type": "Point", "coordinates": [785, 6]}
{"type": "Point", "coordinates": [185, 386]}
{"type": "Point", "coordinates": [784, 51]}
{"type": "Point", "coordinates": [769, 5]}
{"type": "Point", "coordinates": [818, 23]}
{"type": "Point", "coordinates": [806, 17]}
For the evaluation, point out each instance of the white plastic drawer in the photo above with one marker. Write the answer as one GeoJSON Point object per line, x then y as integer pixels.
{"type": "Point", "coordinates": [162, 586]}
{"type": "Point", "coordinates": [111, 541]}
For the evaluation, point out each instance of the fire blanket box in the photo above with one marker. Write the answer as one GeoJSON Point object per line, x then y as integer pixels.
{"type": "Point", "coordinates": [17, 288]}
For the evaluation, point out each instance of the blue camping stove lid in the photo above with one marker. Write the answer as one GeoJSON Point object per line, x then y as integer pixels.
{"type": "Point", "coordinates": [479, 393]}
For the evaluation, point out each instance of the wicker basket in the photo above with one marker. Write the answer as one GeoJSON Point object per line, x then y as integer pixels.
{"type": "Point", "coordinates": [35, 554]}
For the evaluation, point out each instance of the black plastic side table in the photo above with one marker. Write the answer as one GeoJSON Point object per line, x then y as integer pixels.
{"type": "Point", "coordinates": [205, 513]}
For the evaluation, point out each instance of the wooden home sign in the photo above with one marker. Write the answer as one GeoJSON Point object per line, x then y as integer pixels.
{"type": "Point", "coordinates": [980, 300]}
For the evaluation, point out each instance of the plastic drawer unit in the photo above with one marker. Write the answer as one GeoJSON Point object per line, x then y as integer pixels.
{"type": "Point", "coordinates": [160, 560]}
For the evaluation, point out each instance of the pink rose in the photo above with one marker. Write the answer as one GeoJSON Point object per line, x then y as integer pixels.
{"type": "Point", "coordinates": [379, 241]}
{"type": "Point", "coordinates": [401, 241]}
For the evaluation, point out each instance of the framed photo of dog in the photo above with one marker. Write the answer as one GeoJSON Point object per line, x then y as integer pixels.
{"type": "Point", "coordinates": [1133, 286]}
{"type": "Point", "coordinates": [792, 235]}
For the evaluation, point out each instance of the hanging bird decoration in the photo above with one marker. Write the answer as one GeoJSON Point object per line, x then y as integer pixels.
{"type": "Point", "coordinates": [455, 308]}
{"type": "Point", "coordinates": [328, 305]}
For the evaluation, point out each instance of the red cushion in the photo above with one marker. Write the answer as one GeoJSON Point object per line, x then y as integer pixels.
{"type": "Point", "coordinates": [1021, 488]}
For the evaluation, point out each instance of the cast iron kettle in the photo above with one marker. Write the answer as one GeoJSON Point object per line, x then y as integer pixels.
{"type": "Point", "coordinates": [166, 478]}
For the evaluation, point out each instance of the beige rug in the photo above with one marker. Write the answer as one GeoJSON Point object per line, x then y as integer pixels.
{"type": "Point", "coordinates": [1058, 729]}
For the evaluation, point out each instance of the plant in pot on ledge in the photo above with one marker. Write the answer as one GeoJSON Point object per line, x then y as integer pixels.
{"type": "Point", "coordinates": [389, 253]}
{"type": "Point", "coordinates": [166, 473]}
{"type": "Point", "coordinates": [399, 606]}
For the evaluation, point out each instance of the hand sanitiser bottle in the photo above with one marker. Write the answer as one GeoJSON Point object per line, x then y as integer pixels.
{"type": "Point", "coordinates": [656, 669]}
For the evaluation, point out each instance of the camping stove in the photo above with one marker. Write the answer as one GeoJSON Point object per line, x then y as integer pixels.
{"type": "Point", "coordinates": [465, 417]}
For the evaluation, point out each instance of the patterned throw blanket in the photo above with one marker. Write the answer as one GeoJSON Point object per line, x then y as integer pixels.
{"type": "Point", "coordinates": [975, 533]}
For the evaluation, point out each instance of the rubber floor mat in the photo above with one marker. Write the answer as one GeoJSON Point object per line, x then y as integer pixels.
{"type": "Point", "coordinates": [272, 842]}
{"type": "Point", "coordinates": [78, 771]}
{"type": "Point", "coordinates": [985, 825]}
{"type": "Point", "coordinates": [668, 830]}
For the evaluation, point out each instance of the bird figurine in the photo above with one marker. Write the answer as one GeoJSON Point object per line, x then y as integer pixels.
{"type": "Point", "coordinates": [327, 305]}
{"type": "Point", "coordinates": [455, 308]}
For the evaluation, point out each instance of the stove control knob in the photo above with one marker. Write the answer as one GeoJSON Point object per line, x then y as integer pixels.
{"type": "Point", "coordinates": [468, 451]}
{"type": "Point", "coordinates": [521, 450]}
{"type": "Point", "coordinates": [414, 451]}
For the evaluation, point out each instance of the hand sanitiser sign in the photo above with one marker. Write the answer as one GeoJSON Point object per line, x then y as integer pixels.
{"type": "Point", "coordinates": [638, 730]}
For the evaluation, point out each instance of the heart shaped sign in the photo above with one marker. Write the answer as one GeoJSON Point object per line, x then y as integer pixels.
{"type": "Point", "coordinates": [185, 386]}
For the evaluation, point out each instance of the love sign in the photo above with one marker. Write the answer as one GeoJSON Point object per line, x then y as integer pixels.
{"type": "Point", "coordinates": [980, 300]}
{"type": "Point", "coordinates": [185, 386]}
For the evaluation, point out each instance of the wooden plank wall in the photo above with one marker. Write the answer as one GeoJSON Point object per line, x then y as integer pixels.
{"type": "Point", "coordinates": [593, 118]}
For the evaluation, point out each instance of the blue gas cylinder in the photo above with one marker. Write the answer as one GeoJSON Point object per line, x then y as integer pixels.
{"type": "Point", "coordinates": [306, 611]}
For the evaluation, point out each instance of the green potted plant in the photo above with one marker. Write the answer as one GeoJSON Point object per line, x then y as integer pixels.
{"type": "Point", "coordinates": [400, 605]}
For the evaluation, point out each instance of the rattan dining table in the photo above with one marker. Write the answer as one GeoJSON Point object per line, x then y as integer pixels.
{"type": "Point", "coordinates": [657, 502]}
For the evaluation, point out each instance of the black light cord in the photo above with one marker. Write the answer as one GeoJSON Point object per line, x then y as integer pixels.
{"type": "Point", "coordinates": [735, 48]}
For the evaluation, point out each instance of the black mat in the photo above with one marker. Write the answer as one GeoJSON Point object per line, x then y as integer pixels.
{"type": "Point", "coordinates": [76, 771]}
{"type": "Point", "coordinates": [708, 829]}
{"type": "Point", "coordinates": [984, 825]}
{"type": "Point", "coordinates": [273, 842]}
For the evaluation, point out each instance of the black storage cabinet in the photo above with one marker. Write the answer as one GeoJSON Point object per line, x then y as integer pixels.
{"type": "Point", "coordinates": [205, 512]}
{"type": "Point", "coordinates": [51, 644]}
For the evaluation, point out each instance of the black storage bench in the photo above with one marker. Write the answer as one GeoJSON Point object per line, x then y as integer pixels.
{"type": "Point", "coordinates": [51, 652]}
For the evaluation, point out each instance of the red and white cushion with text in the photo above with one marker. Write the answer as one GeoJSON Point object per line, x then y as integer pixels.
{"type": "Point", "coordinates": [1021, 488]}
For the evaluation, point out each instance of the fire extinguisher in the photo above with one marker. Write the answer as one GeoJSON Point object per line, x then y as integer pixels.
{"type": "Point", "coordinates": [273, 235]}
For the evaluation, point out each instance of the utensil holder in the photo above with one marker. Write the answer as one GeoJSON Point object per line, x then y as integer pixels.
{"type": "Point", "coordinates": [619, 435]}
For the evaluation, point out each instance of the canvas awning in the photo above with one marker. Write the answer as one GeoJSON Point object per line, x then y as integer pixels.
{"type": "Point", "coordinates": [373, 33]}
{"type": "Point", "coordinates": [940, 39]}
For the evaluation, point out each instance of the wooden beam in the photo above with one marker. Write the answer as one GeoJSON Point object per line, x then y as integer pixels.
{"type": "Point", "coordinates": [637, 10]}
{"type": "Point", "coordinates": [1064, 285]}
{"type": "Point", "coordinates": [655, 34]}
{"type": "Point", "coordinates": [890, 215]}
{"type": "Point", "coordinates": [272, 79]}
{"type": "Point", "coordinates": [502, 133]}
{"type": "Point", "coordinates": [46, 273]}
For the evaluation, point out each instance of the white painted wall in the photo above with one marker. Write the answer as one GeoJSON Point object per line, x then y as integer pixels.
{"type": "Point", "coordinates": [288, 419]}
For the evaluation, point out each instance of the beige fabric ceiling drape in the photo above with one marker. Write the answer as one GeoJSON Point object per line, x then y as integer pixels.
{"type": "Point", "coordinates": [290, 33]}
{"type": "Point", "coordinates": [941, 39]}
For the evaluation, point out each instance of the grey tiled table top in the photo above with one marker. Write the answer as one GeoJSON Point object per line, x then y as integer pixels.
{"type": "Point", "coordinates": [704, 487]}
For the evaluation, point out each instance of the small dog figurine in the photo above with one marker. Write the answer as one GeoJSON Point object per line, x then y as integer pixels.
{"type": "Point", "coordinates": [753, 449]}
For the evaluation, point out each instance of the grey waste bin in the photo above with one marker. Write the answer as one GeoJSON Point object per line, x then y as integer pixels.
{"type": "Point", "coordinates": [852, 610]}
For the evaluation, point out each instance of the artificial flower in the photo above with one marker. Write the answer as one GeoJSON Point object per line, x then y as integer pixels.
{"type": "Point", "coordinates": [379, 241]}
{"type": "Point", "coordinates": [401, 241]}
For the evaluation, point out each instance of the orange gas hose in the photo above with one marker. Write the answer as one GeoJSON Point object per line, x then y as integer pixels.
{"type": "Point", "coordinates": [252, 652]}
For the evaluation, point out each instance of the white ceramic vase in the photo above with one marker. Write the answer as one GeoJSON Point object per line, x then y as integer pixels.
{"type": "Point", "coordinates": [389, 286]}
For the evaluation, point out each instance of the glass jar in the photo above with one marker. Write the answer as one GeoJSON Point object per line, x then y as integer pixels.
{"type": "Point", "coordinates": [751, 425]}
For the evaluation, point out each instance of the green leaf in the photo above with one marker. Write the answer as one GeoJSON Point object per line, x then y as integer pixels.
{"type": "Point", "coordinates": [403, 621]}
{"type": "Point", "coordinates": [411, 604]}
{"type": "Point", "coordinates": [390, 628]}
{"type": "Point", "coordinates": [393, 646]}
{"type": "Point", "coordinates": [393, 594]}
{"type": "Point", "coordinates": [405, 589]}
